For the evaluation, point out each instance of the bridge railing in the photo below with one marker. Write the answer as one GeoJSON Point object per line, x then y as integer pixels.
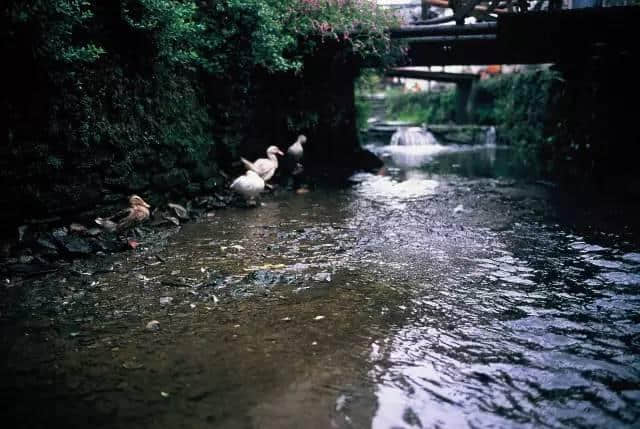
{"type": "Point", "coordinates": [446, 11]}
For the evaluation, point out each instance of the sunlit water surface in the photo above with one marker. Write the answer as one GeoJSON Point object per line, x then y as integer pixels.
{"type": "Point", "coordinates": [436, 294]}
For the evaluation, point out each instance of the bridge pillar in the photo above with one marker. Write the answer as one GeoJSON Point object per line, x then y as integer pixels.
{"type": "Point", "coordinates": [463, 96]}
{"type": "Point", "coordinates": [425, 10]}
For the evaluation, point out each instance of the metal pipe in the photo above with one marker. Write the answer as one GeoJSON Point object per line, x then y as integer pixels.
{"type": "Point", "coordinates": [444, 30]}
{"type": "Point", "coordinates": [439, 20]}
{"type": "Point", "coordinates": [450, 39]}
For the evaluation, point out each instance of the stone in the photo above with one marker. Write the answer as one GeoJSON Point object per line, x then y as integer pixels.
{"type": "Point", "coordinates": [47, 244]}
{"type": "Point", "coordinates": [94, 232]}
{"type": "Point", "coordinates": [322, 277]}
{"type": "Point", "coordinates": [111, 245]}
{"type": "Point", "coordinates": [75, 245]}
{"type": "Point", "coordinates": [77, 228]}
{"type": "Point", "coordinates": [59, 232]}
{"type": "Point", "coordinates": [179, 211]}
{"type": "Point", "coordinates": [367, 160]}
{"type": "Point", "coordinates": [25, 259]}
{"type": "Point", "coordinates": [153, 325]}
{"type": "Point", "coordinates": [21, 231]}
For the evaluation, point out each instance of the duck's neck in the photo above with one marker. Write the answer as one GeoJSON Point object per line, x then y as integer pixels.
{"type": "Point", "coordinates": [273, 158]}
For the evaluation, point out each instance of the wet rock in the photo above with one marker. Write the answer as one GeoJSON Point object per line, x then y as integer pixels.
{"type": "Point", "coordinates": [94, 232]}
{"type": "Point", "coordinates": [166, 300]}
{"type": "Point", "coordinates": [21, 232]}
{"type": "Point", "coordinates": [108, 244]}
{"type": "Point", "coordinates": [77, 228]}
{"type": "Point", "coordinates": [154, 325]}
{"type": "Point", "coordinates": [59, 233]}
{"type": "Point", "coordinates": [367, 160]}
{"type": "Point", "coordinates": [132, 364]}
{"type": "Point", "coordinates": [172, 220]}
{"type": "Point", "coordinates": [322, 277]}
{"type": "Point", "coordinates": [179, 211]}
{"type": "Point", "coordinates": [47, 244]}
{"type": "Point", "coordinates": [264, 277]}
{"type": "Point", "coordinates": [25, 259]}
{"type": "Point", "coordinates": [198, 395]}
{"type": "Point", "coordinates": [75, 245]}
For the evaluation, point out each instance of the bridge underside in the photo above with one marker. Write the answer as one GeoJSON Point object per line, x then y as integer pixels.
{"type": "Point", "coordinates": [563, 36]}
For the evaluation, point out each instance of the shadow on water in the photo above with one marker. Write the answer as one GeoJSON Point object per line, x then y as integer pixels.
{"type": "Point", "coordinates": [436, 293]}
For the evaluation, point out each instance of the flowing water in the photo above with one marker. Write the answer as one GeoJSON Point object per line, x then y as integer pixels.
{"type": "Point", "coordinates": [444, 292]}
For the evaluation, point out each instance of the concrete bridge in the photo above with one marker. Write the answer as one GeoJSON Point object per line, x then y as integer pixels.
{"type": "Point", "coordinates": [517, 35]}
{"type": "Point", "coordinates": [513, 32]}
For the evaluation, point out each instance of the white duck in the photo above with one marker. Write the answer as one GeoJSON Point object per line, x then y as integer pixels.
{"type": "Point", "coordinates": [296, 150]}
{"type": "Point", "coordinates": [265, 167]}
{"type": "Point", "coordinates": [249, 185]}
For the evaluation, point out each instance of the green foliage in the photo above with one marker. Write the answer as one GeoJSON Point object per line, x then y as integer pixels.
{"type": "Point", "coordinates": [369, 82]}
{"type": "Point", "coordinates": [358, 25]}
{"type": "Point", "coordinates": [104, 94]}
{"type": "Point", "coordinates": [518, 103]}
{"type": "Point", "coordinates": [418, 107]}
{"type": "Point", "coordinates": [55, 24]}
{"type": "Point", "coordinates": [218, 36]}
{"type": "Point", "coordinates": [172, 24]}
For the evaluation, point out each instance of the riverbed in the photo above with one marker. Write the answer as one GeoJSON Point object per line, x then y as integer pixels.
{"type": "Point", "coordinates": [447, 290]}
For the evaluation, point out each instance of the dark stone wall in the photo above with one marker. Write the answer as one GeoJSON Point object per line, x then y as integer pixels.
{"type": "Point", "coordinates": [79, 155]}
{"type": "Point", "coordinates": [595, 136]}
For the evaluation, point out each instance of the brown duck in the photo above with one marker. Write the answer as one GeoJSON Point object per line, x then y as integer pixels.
{"type": "Point", "coordinates": [137, 212]}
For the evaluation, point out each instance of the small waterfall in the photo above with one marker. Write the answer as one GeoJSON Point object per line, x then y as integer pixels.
{"type": "Point", "coordinates": [412, 136]}
{"type": "Point", "coordinates": [490, 137]}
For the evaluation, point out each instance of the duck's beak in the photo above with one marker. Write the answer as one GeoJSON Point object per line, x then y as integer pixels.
{"type": "Point", "coordinates": [279, 152]}
{"type": "Point", "coordinates": [144, 203]}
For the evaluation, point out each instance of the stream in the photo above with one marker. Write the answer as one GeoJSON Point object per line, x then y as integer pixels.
{"type": "Point", "coordinates": [447, 291]}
